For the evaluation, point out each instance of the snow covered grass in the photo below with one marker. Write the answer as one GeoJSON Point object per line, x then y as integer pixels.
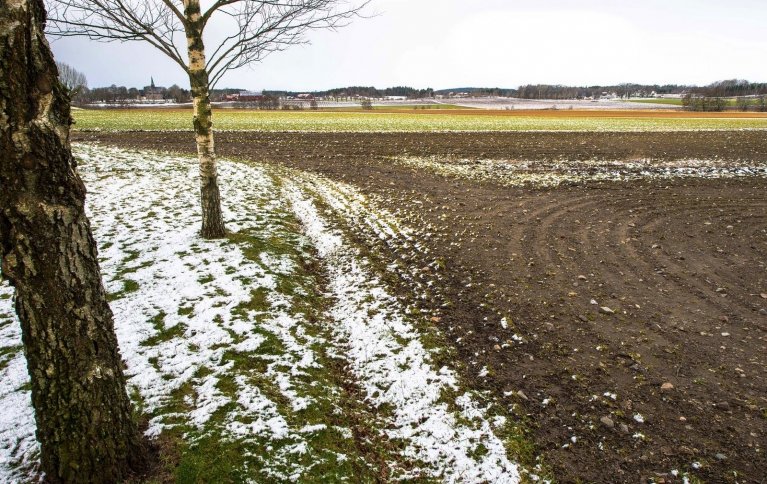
{"type": "Point", "coordinates": [439, 425]}
{"type": "Point", "coordinates": [224, 350]}
{"type": "Point", "coordinates": [220, 337]}
{"type": "Point", "coordinates": [18, 447]}
{"type": "Point", "coordinates": [554, 173]}
{"type": "Point", "coordinates": [276, 354]}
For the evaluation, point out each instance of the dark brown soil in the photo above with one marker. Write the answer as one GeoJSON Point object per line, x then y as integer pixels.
{"type": "Point", "coordinates": [682, 264]}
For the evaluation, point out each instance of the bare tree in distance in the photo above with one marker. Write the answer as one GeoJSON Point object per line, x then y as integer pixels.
{"type": "Point", "coordinates": [761, 103]}
{"type": "Point", "coordinates": [72, 79]}
{"type": "Point", "coordinates": [84, 418]}
{"type": "Point", "coordinates": [743, 103]}
{"type": "Point", "coordinates": [247, 31]}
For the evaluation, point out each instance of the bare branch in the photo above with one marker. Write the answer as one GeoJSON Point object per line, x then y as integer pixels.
{"type": "Point", "coordinates": [268, 26]}
{"type": "Point", "coordinates": [254, 28]}
{"type": "Point", "coordinates": [174, 9]}
{"type": "Point", "coordinates": [154, 22]}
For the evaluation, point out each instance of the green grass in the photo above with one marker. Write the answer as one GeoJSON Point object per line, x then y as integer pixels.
{"type": "Point", "coordinates": [372, 121]}
{"type": "Point", "coordinates": [7, 354]}
{"type": "Point", "coordinates": [163, 334]}
{"type": "Point", "coordinates": [129, 286]}
{"type": "Point", "coordinates": [209, 454]}
{"type": "Point", "coordinates": [729, 102]}
{"type": "Point", "coordinates": [668, 101]}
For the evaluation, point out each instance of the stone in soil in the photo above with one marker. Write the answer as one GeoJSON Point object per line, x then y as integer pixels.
{"type": "Point", "coordinates": [607, 422]}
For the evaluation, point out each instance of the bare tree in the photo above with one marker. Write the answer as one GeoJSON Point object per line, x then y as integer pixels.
{"type": "Point", "coordinates": [743, 103]}
{"type": "Point", "coordinates": [72, 79]}
{"type": "Point", "coordinates": [177, 94]}
{"type": "Point", "coordinates": [84, 419]}
{"type": "Point", "coordinates": [269, 102]}
{"type": "Point", "coordinates": [761, 103]}
{"type": "Point", "coordinates": [246, 32]}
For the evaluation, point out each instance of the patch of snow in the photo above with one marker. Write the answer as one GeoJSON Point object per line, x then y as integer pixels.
{"type": "Point", "coordinates": [392, 365]}
{"type": "Point", "coordinates": [147, 209]}
{"type": "Point", "coordinates": [181, 313]}
{"type": "Point", "coordinates": [18, 447]}
{"type": "Point", "coordinates": [177, 323]}
{"type": "Point", "coordinates": [548, 173]}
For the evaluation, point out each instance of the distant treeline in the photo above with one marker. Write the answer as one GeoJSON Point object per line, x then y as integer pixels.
{"type": "Point", "coordinates": [700, 102]}
{"type": "Point", "coordinates": [559, 91]}
{"type": "Point", "coordinates": [118, 94]}
{"type": "Point", "coordinates": [361, 91]}
{"type": "Point", "coordinates": [727, 88]}
{"type": "Point", "coordinates": [479, 91]}
{"type": "Point", "coordinates": [732, 88]}
{"type": "Point", "coordinates": [627, 90]}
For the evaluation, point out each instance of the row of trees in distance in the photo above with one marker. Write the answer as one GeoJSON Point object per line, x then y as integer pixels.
{"type": "Point", "coordinates": [726, 88]}
{"type": "Point", "coordinates": [624, 91]}
{"type": "Point", "coordinates": [120, 94]}
{"type": "Point", "coordinates": [732, 88]}
{"type": "Point", "coordinates": [362, 91]}
{"type": "Point", "coordinates": [697, 96]}
{"type": "Point", "coordinates": [698, 102]}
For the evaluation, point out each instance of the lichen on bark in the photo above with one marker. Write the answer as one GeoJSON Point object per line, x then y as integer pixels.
{"type": "Point", "coordinates": [212, 218]}
{"type": "Point", "coordinates": [84, 417]}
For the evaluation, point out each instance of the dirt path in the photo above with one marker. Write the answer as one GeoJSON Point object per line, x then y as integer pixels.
{"type": "Point", "coordinates": [676, 267]}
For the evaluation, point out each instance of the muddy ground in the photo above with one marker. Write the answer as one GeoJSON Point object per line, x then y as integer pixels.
{"type": "Point", "coordinates": [668, 371]}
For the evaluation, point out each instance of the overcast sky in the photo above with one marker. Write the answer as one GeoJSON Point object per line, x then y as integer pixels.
{"type": "Point", "coordinates": [504, 43]}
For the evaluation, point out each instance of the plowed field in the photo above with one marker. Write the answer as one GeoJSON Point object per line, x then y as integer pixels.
{"type": "Point", "coordinates": [636, 305]}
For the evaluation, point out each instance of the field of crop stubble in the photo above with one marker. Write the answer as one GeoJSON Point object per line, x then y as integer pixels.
{"type": "Point", "coordinates": [600, 275]}
{"type": "Point", "coordinates": [403, 120]}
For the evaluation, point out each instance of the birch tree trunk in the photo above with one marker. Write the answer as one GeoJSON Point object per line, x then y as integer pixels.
{"type": "Point", "coordinates": [84, 420]}
{"type": "Point", "coordinates": [212, 219]}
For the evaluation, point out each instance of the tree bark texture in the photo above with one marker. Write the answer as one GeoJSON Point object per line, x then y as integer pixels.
{"type": "Point", "coordinates": [212, 219]}
{"type": "Point", "coordinates": [84, 418]}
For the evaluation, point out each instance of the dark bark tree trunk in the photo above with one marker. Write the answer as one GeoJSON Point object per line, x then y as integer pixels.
{"type": "Point", "coordinates": [84, 420]}
{"type": "Point", "coordinates": [212, 219]}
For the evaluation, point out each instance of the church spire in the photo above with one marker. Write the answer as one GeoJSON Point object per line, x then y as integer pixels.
{"type": "Point", "coordinates": [152, 84]}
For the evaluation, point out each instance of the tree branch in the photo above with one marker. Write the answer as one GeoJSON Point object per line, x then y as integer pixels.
{"type": "Point", "coordinates": [118, 20]}
{"type": "Point", "coordinates": [260, 27]}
